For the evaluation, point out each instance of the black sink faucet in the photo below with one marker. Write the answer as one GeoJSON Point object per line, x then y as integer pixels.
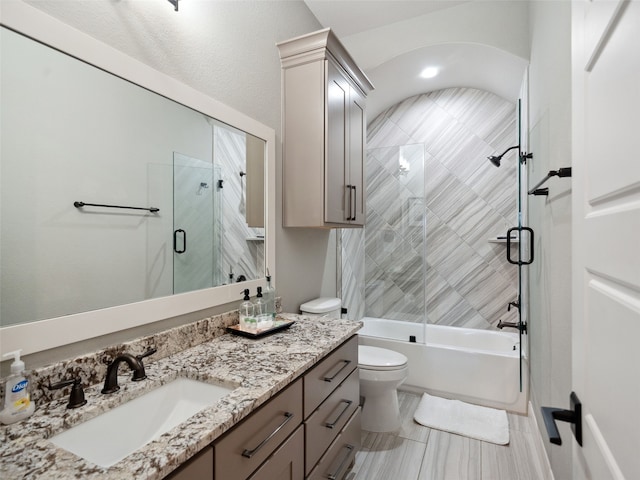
{"type": "Point", "coordinates": [135, 364]}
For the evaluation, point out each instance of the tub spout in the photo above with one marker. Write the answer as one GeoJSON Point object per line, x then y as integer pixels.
{"type": "Point", "coordinates": [517, 325]}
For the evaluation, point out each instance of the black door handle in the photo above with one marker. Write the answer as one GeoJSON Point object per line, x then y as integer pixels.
{"type": "Point", "coordinates": [573, 416]}
{"type": "Point", "coordinates": [175, 241]}
{"type": "Point", "coordinates": [519, 261]}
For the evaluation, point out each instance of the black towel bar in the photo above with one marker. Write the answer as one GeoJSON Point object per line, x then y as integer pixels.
{"type": "Point", "coordinates": [82, 204]}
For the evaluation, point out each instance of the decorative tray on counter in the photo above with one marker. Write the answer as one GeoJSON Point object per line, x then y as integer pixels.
{"type": "Point", "coordinates": [277, 326]}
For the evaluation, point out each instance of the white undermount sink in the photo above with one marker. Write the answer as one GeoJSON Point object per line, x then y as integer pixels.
{"type": "Point", "coordinates": [117, 433]}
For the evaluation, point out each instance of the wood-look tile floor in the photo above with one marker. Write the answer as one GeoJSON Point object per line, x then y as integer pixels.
{"type": "Point", "coordinates": [415, 452]}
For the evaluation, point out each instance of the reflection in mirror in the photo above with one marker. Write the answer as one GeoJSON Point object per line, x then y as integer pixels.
{"type": "Point", "coordinates": [74, 133]}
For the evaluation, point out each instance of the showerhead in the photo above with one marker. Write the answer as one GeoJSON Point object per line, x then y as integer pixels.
{"type": "Point", "coordinates": [496, 160]}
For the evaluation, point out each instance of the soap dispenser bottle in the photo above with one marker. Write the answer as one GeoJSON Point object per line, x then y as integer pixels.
{"type": "Point", "coordinates": [17, 402]}
{"type": "Point", "coordinates": [264, 319]}
{"type": "Point", "coordinates": [270, 297]}
{"type": "Point", "coordinates": [246, 312]}
{"type": "Point", "coordinates": [259, 307]}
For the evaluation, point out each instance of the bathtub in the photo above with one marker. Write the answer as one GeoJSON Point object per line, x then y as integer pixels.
{"type": "Point", "coordinates": [475, 366]}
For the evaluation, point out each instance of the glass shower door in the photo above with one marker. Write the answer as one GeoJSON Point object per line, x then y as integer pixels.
{"type": "Point", "coordinates": [394, 240]}
{"type": "Point", "coordinates": [193, 235]}
{"type": "Point", "coordinates": [525, 239]}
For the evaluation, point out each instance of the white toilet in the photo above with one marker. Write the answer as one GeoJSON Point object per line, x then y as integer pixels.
{"type": "Point", "coordinates": [322, 307]}
{"type": "Point", "coordinates": [382, 371]}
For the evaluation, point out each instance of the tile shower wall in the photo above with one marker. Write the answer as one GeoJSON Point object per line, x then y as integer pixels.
{"type": "Point", "coordinates": [433, 202]}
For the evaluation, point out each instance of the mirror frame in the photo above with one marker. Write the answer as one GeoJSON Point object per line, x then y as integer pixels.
{"type": "Point", "coordinates": [42, 335]}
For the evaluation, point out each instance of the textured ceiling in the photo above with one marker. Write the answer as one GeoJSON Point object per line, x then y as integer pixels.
{"type": "Point", "coordinates": [348, 17]}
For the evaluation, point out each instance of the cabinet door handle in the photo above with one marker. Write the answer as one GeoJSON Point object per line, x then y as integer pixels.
{"type": "Point", "coordinates": [333, 377]}
{"type": "Point", "coordinates": [336, 475]}
{"type": "Point", "coordinates": [250, 453]}
{"type": "Point", "coordinates": [355, 203]}
{"type": "Point", "coordinates": [344, 410]}
{"type": "Point", "coordinates": [350, 202]}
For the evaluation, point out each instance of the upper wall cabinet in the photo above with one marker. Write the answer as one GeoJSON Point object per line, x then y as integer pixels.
{"type": "Point", "coordinates": [324, 128]}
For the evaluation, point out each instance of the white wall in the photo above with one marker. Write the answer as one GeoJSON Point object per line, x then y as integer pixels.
{"type": "Point", "coordinates": [225, 49]}
{"type": "Point", "coordinates": [550, 217]}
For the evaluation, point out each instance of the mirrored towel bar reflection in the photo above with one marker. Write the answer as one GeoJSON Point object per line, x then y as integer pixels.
{"type": "Point", "coordinates": [83, 204]}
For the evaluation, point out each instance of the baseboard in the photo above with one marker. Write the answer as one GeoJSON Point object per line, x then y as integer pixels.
{"type": "Point", "coordinates": [539, 444]}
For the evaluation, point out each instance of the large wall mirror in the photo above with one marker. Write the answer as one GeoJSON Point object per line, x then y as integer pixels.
{"type": "Point", "coordinates": [123, 192]}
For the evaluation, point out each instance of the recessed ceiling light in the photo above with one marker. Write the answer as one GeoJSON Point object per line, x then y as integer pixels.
{"type": "Point", "coordinates": [429, 72]}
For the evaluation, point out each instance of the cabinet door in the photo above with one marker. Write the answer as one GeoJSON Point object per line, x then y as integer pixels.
{"type": "Point", "coordinates": [199, 467]}
{"type": "Point", "coordinates": [357, 129]}
{"type": "Point", "coordinates": [247, 445]}
{"type": "Point", "coordinates": [287, 462]}
{"type": "Point", "coordinates": [337, 192]}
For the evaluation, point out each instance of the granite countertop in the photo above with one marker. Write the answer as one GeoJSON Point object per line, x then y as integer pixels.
{"type": "Point", "coordinates": [258, 369]}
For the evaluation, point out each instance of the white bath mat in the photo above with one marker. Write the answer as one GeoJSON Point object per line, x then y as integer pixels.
{"type": "Point", "coordinates": [454, 416]}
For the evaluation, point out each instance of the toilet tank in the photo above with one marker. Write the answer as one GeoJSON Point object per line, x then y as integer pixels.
{"type": "Point", "coordinates": [322, 307]}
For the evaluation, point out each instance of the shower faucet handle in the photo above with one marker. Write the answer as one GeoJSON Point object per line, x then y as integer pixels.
{"type": "Point", "coordinates": [513, 304]}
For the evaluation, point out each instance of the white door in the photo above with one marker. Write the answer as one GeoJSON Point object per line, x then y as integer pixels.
{"type": "Point", "coordinates": [606, 236]}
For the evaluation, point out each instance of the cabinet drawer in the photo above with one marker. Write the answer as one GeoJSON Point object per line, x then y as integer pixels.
{"type": "Point", "coordinates": [327, 375]}
{"type": "Point", "coordinates": [335, 463]}
{"type": "Point", "coordinates": [323, 426]}
{"type": "Point", "coordinates": [249, 444]}
{"type": "Point", "coordinates": [287, 462]}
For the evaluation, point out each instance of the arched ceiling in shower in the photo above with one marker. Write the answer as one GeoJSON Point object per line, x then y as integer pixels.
{"type": "Point", "coordinates": [480, 43]}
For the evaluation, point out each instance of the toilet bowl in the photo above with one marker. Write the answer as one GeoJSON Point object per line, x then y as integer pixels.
{"type": "Point", "coordinates": [382, 371]}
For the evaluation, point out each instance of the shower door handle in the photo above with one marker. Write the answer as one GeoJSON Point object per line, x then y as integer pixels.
{"type": "Point", "coordinates": [519, 261]}
{"type": "Point", "coordinates": [175, 241]}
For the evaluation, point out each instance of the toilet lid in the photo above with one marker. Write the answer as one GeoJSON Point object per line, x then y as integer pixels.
{"type": "Point", "coordinates": [379, 358]}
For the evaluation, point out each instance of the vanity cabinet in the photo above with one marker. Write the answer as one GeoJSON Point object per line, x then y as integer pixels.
{"type": "Point", "coordinates": [311, 429]}
{"type": "Point", "coordinates": [324, 128]}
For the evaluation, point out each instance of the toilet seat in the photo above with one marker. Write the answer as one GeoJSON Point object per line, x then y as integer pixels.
{"type": "Point", "coordinates": [381, 359]}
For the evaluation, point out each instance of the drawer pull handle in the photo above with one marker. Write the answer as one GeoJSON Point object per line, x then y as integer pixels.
{"type": "Point", "coordinates": [336, 475]}
{"type": "Point", "coordinates": [344, 410]}
{"type": "Point", "coordinates": [332, 378]}
{"type": "Point", "coordinates": [250, 453]}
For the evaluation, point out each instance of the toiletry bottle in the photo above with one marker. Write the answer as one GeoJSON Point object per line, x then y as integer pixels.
{"type": "Point", "coordinates": [17, 403]}
{"type": "Point", "coordinates": [264, 319]}
{"type": "Point", "coordinates": [247, 320]}
{"type": "Point", "coordinates": [269, 294]}
{"type": "Point", "coordinates": [259, 307]}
